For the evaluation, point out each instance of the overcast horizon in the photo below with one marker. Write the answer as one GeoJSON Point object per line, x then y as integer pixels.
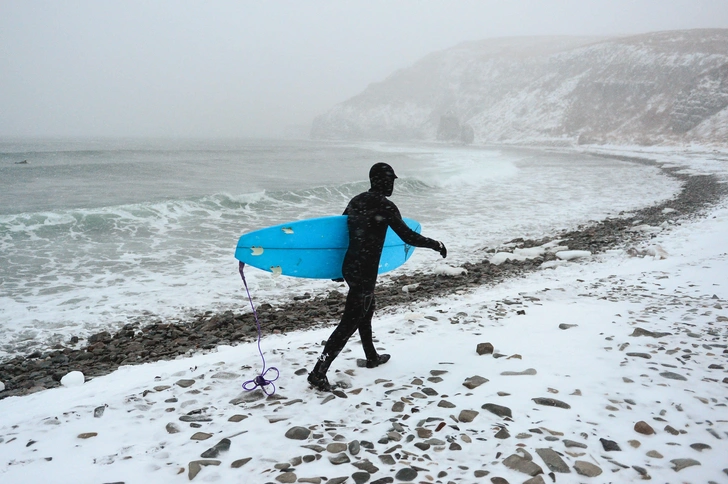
{"type": "Point", "coordinates": [227, 69]}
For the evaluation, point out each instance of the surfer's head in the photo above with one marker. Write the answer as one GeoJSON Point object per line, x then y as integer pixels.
{"type": "Point", "coordinates": [382, 179]}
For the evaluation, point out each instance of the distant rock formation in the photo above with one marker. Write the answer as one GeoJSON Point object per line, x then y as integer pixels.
{"type": "Point", "coordinates": [657, 88]}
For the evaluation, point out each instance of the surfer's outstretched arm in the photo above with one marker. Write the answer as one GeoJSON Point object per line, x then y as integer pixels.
{"type": "Point", "coordinates": [408, 235]}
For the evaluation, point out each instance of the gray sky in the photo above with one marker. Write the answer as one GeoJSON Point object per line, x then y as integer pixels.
{"type": "Point", "coordinates": [250, 68]}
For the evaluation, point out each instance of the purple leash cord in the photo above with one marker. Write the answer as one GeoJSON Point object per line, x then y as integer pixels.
{"type": "Point", "coordinates": [260, 380]}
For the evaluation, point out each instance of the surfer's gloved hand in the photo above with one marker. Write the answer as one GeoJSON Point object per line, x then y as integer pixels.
{"type": "Point", "coordinates": [442, 249]}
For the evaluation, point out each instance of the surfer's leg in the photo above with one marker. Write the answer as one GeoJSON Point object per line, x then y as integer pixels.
{"type": "Point", "coordinates": [339, 337]}
{"type": "Point", "coordinates": [365, 327]}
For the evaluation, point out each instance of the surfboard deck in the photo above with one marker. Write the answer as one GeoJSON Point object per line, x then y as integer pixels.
{"type": "Point", "coordinates": [314, 248]}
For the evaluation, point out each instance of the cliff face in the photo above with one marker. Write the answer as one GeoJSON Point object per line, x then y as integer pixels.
{"type": "Point", "coordinates": [664, 87]}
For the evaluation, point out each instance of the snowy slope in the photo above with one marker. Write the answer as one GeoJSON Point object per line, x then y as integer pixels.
{"type": "Point", "coordinates": [664, 87]}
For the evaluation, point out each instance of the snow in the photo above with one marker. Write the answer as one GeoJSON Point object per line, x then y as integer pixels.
{"type": "Point", "coordinates": [571, 323]}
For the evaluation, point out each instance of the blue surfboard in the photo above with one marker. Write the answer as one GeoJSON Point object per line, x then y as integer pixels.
{"type": "Point", "coordinates": [314, 248]}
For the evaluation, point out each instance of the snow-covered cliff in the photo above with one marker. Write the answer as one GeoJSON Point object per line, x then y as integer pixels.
{"type": "Point", "coordinates": [663, 87]}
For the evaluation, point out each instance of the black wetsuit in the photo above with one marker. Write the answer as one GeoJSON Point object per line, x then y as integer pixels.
{"type": "Point", "coordinates": [370, 214]}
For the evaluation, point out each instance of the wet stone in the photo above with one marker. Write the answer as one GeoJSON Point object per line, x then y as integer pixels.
{"type": "Point", "coordinates": [214, 451]}
{"type": "Point", "coordinates": [339, 459]}
{"type": "Point", "coordinates": [185, 383]}
{"type": "Point", "coordinates": [571, 443]}
{"type": "Point", "coordinates": [502, 434]}
{"type": "Point", "coordinates": [553, 460]}
{"type": "Point", "coordinates": [445, 404]}
{"type": "Point", "coordinates": [498, 410]}
{"type": "Point", "coordinates": [680, 464]}
{"type": "Point", "coordinates": [527, 372]}
{"type": "Point", "coordinates": [520, 464]}
{"type": "Point", "coordinates": [298, 433]}
{"type": "Point", "coordinates": [398, 407]}
{"type": "Point", "coordinates": [172, 428]}
{"type": "Point", "coordinates": [286, 478]}
{"type": "Point", "coordinates": [354, 447]}
{"type": "Point", "coordinates": [336, 447]}
{"type": "Point", "coordinates": [586, 469]}
{"type": "Point", "coordinates": [609, 445]}
{"type": "Point", "coordinates": [484, 349]}
{"type": "Point", "coordinates": [654, 454]}
{"type": "Point", "coordinates": [240, 462]}
{"type": "Point", "coordinates": [200, 436]}
{"type": "Point", "coordinates": [551, 402]}
{"type": "Point", "coordinates": [467, 416]}
{"type": "Point", "coordinates": [406, 474]}
{"type": "Point", "coordinates": [644, 428]}
{"type": "Point", "coordinates": [700, 447]}
{"type": "Point", "coordinates": [360, 477]}
{"type": "Point", "coordinates": [474, 382]}
{"type": "Point", "coordinates": [672, 376]}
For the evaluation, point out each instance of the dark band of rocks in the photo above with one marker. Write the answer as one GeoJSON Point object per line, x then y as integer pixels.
{"type": "Point", "coordinates": [154, 340]}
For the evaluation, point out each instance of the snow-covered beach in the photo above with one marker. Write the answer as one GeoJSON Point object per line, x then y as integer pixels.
{"type": "Point", "coordinates": [609, 368]}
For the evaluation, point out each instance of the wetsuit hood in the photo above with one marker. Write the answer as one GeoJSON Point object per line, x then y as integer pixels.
{"type": "Point", "coordinates": [382, 177]}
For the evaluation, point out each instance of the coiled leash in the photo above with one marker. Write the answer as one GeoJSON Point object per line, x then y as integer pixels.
{"type": "Point", "coordinates": [260, 380]}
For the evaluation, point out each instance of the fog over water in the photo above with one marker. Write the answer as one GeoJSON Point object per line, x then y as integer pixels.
{"type": "Point", "coordinates": [256, 69]}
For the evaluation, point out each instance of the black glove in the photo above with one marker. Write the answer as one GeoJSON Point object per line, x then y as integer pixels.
{"type": "Point", "coordinates": [442, 250]}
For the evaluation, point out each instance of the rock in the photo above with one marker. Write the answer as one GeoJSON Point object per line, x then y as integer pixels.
{"type": "Point", "coordinates": [518, 463]}
{"type": "Point", "coordinates": [287, 477]}
{"type": "Point", "coordinates": [586, 469]}
{"type": "Point", "coordinates": [298, 433]}
{"type": "Point", "coordinates": [654, 454]}
{"type": "Point", "coordinates": [551, 402]}
{"type": "Point", "coordinates": [406, 474]}
{"type": "Point", "coordinates": [366, 465]}
{"type": "Point", "coordinates": [671, 430]}
{"type": "Point", "coordinates": [502, 434]}
{"type": "Point", "coordinates": [700, 447]}
{"type": "Point", "coordinates": [354, 447]}
{"type": "Point", "coordinates": [237, 418]}
{"type": "Point", "coordinates": [196, 465]}
{"type": "Point", "coordinates": [529, 371]}
{"type": "Point", "coordinates": [467, 416]}
{"type": "Point", "coordinates": [644, 332]}
{"type": "Point", "coordinates": [185, 383]}
{"type": "Point", "coordinates": [645, 356]}
{"type": "Point", "coordinates": [87, 435]}
{"type": "Point", "coordinates": [499, 410]}
{"type": "Point", "coordinates": [398, 407]}
{"type": "Point", "coordinates": [535, 480]}
{"type": "Point", "coordinates": [445, 404]}
{"type": "Point", "coordinates": [214, 451]}
{"type": "Point", "coordinates": [474, 382]}
{"type": "Point", "coordinates": [571, 443]}
{"type": "Point", "coordinates": [360, 477]}
{"type": "Point", "coordinates": [553, 460]}
{"type": "Point", "coordinates": [99, 411]}
{"type": "Point", "coordinates": [336, 447]}
{"type": "Point", "coordinates": [484, 349]}
{"type": "Point", "coordinates": [643, 428]}
{"type": "Point", "coordinates": [672, 376]}
{"type": "Point", "coordinates": [172, 428]}
{"type": "Point", "coordinates": [567, 326]}
{"type": "Point", "coordinates": [680, 464]}
{"type": "Point", "coordinates": [609, 445]}
{"type": "Point", "coordinates": [240, 462]}
{"type": "Point", "coordinates": [339, 459]}
{"type": "Point", "coordinates": [200, 436]}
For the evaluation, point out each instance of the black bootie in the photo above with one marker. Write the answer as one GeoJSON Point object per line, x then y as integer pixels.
{"type": "Point", "coordinates": [379, 360]}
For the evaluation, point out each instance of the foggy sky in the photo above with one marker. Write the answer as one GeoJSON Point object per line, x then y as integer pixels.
{"type": "Point", "coordinates": [179, 68]}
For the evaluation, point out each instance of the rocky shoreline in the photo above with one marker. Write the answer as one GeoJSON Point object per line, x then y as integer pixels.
{"type": "Point", "coordinates": [139, 343]}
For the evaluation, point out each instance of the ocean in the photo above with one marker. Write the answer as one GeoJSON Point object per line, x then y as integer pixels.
{"type": "Point", "coordinates": [98, 233]}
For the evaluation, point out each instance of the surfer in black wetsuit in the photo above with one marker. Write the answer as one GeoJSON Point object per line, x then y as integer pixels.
{"type": "Point", "coordinates": [370, 213]}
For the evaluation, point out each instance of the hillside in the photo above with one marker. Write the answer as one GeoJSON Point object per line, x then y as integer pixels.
{"type": "Point", "coordinates": [656, 88]}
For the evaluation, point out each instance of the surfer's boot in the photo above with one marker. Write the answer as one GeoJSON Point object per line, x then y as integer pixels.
{"type": "Point", "coordinates": [319, 381]}
{"type": "Point", "coordinates": [379, 360]}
